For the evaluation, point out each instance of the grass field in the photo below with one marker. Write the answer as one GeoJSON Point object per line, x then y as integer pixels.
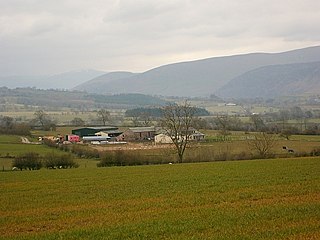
{"type": "Point", "coordinates": [261, 199]}
{"type": "Point", "coordinates": [11, 147]}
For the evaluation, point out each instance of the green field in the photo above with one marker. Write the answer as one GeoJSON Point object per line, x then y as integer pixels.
{"type": "Point", "coordinates": [260, 199]}
{"type": "Point", "coordinates": [11, 147]}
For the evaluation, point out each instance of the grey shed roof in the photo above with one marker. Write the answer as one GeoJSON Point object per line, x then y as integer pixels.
{"type": "Point", "coordinates": [143, 129]}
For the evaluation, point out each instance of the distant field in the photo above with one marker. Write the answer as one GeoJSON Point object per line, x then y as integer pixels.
{"type": "Point", "coordinates": [63, 116]}
{"type": "Point", "coordinates": [261, 199]}
{"type": "Point", "coordinates": [11, 146]}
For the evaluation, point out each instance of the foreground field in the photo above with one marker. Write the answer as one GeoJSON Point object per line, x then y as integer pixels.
{"type": "Point", "coordinates": [262, 199]}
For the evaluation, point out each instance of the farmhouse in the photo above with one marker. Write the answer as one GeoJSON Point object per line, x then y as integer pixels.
{"type": "Point", "coordinates": [138, 134]}
{"type": "Point", "coordinates": [91, 131]}
{"type": "Point", "coordinates": [196, 135]}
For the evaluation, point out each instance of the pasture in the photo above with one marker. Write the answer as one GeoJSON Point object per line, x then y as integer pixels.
{"type": "Point", "coordinates": [12, 146]}
{"type": "Point", "coordinates": [257, 199]}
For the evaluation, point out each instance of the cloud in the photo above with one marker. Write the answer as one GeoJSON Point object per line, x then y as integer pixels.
{"type": "Point", "coordinates": [42, 36]}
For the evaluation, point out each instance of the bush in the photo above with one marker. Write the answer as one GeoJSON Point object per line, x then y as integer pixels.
{"type": "Point", "coordinates": [30, 160]}
{"type": "Point", "coordinates": [315, 152]}
{"type": "Point", "coordinates": [16, 129]}
{"type": "Point", "coordinates": [85, 152]}
{"type": "Point", "coordinates": [50, 143]}
{"type": "Point", "coordinates": [53, 161]}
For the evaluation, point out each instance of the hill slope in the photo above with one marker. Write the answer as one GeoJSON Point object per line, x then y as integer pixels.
{"type": "Point", "coordinates": [73, 99]}
{"type": "Point", "coordinates": [100, 84]}
{"type": "Point", "coordinates": [274, 81]}
{"type": "Point", "coordinates": [203, 77]}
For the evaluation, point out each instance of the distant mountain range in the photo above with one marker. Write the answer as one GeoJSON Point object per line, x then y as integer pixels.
{"type": "Point", "coordinates": [65, 80]}
{"type": "Point", "coordinates": [274, 81]}
{"type": "Point", "coordinates": [101, 83]}
{"type": "Point", "coordinates": [202, 78]}
{"type": "Point", "coordinates": [239, 76]}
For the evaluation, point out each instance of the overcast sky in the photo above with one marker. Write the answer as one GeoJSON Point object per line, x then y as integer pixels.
{"type": "Point", "coordinates": [54, 36]}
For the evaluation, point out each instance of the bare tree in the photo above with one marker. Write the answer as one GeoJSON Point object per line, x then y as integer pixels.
{"type": "Point", "coordinates": [284, 116]}
{"type": "Point", "coordinates": [257, 122]}
{"type": "Point", "coordinates": [45, 121]}
{"type": "Point", "coordinates": [77, 121]}
{"type": "Point", "coordinates": [41, 117]}
{"type": "Point", "coordinates": [262, 143]}
{"type": "Point", "coordinates": [104, 116]}
{"type": "Point", "coordinates": [223, 122]}
{"type": "Point", "coordinates": [177, 121]}
{"type": "Point", "coordinates": [141, 119]}
{"type": "Point", "coordinates": [146, 119]}
{"type": "Point", "coordinates": [7, 122]}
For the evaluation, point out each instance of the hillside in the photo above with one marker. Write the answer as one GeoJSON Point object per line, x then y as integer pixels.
{"type": "Point", "coordinates": [55, 99]}
{"type": "Point", "coordinates": [202, 77]}
{"type": "Point", "coordinates": [100, 84]}
{"type": "Point", "coordinates": [274, 81]}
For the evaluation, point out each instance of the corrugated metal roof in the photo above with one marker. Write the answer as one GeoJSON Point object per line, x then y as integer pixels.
{"type": "Point", "coordinates": [143, 129]}
{"type": "Point", "coordinates": [99, 128]}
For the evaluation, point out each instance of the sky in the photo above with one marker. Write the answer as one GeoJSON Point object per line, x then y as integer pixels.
{"type": "Point", "coordinates": [43, 37]}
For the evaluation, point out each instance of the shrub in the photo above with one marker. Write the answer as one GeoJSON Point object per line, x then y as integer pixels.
{"type": "Point", "coordinates": [315, 151]}
{"type": "Point", "coordinates": [54, 161]}
{"type": "Point", "coordinates": [30, 160]}
{"type": "Point", "coordinates": [15, 129]}
{"type": "Point", "coordinates": [50, 161]}
{"type": "Point", "coordinates": [50, 143]}
{"type": "Point", "coordinates": [85, 152]}
{"type": "Point", "coordinates": [67, 161]}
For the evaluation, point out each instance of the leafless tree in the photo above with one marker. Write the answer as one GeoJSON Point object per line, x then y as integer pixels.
{"type": "Point", "coordinates": [257, 122]}
{"type": "Point", "coordinates": [262, 143]}
{"type": "Point", "coordinates": [176, 121]}
{"type": "Point", "coordinates": [146, 120]}
{"type": "Point", "coordinates": [103, 116]}
{"type": "Point", "coordinates": [44, 119]}
{"type": "Point", "coordinates": [7, 122]}
{"type": "Point", "coordinates": [141, 119]}
{"type": "Point", "coordinates": [223, 122]}
{"type": "Point", "coordinates": [77, 121]}
{"type": "Point", "coordinates": [284, 116]}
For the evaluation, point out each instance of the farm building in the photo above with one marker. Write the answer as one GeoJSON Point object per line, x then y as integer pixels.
{"type": "Point", "coordinates": [165, 138]}
{"type": "Point", "coordinates": [91, 131]}
{"type": "Point", "coordinates": [138, 134]}
{"type": "Point", "coordinates": [197, 136]}
{"type": "Point", "coordinates": [162, 138]}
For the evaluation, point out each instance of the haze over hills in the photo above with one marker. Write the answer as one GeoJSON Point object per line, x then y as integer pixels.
{"type": "Point", "coordinates": [199, 78]}
{"type": "Point", "coordinates": [100, 84]}
{"type": "Point", "coordinates": [64, 80]}
{"type": "Point", "coordinates": [274, 81]}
